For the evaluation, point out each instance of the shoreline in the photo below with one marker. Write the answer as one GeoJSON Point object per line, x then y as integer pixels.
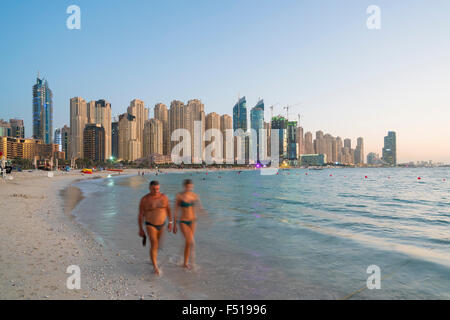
{"type": "Point", "coordinates": [41, 238]}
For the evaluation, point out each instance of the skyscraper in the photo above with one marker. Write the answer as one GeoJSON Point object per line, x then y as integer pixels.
{"type": "Point", "coordinates": [5, 128]}
{"type": "Point", "coordinates": [390, 149]}
{"type": "Point", "coordinates": [300, 140]}
{"type": "Point", "coordinates": [78, 120]}
{"type": "Point", "coordinates": [240, 122]}
{"type": "Point", "coordinates": [42, 111]}
{"type": "Point", "coordinates": [212, 121]}
{"type": "Point", "coordinates": [103, 118]}
{"type": "Point", "coordinates": [195, 113]}
{"type": "Point", "coordinates": [309, 146]}
{"type": "Point", "coordinates": [177, 119]}
{"type": "Point", "coordinates": [65, 140]}
{"type": "Point", "coordinates": [291, 140]}
{"type": "Point", "coordinates": [153, 137]}
{"type": "Point", "coordinates": [359, 151]}
{"type": "Point", "coordinates": [280, 123]}
{"type": "Point", "coordinates": [115, 139]}
{"type": "Point", "coordinates": [128, 145]}
{"type": "Point", "coordinates": [257, 124]}
{"type": "Point", "coordinates": [17, 128]}
{"type": "Point", "coordinates": [226, 123]}
{"type": "Point", "coordinates": [137, 109]}
{"type": "Point", "coordinates": [162, 114]}
{"type": "Point", "coordinates": [57, 138]}
{"type": "Point", "coordinates": [94, 142]}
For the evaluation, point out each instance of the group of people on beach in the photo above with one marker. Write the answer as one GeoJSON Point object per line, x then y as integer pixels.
{"type": "Point", "coordinates": [154, 209]}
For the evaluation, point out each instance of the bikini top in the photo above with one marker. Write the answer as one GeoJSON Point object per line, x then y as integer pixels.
{"type": "Point", "coordinates": [186, 204]}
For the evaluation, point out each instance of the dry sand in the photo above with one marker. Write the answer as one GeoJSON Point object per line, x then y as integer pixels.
{"type": "Point", "coordinates": [39, 239]}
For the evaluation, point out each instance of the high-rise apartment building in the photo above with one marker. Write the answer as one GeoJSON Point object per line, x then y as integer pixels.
{"type": "Point", "coordinates": [359, 151]}
{"type": "Point", "coordinates": [280, 123]}
{"type": "Point", "coordinates": [57, 138]}
{"type": "Point", "coordinates": [390, 149]}
{"type": "Point", "coordinates": [257, 124]}
{"type": "Point", "coordinates": [103, 118]}
{"type": "Point", "coordinates": [5, 128]}
{"type": "Point", "coordinates": [226, 123]}
{"type": "Point", "coordinates": [94, 142]}
{"type": "Point", "coordinates": [162, 114]}
{"type": "Point", "coordinates": [291, 140]}
{"type": "Point", "coordinates": [309, 146]}
{"type": "Point", "coordinates": [17, 128]}
{"type": "Point", "coordinates": [78, 120]}
{"type": "Point", "coordinates": [212, 121]}
{"type": "Point", "coordinates": [137, 109]}
{"type": "Point", "coordinates": [153, 137]}
{"type": "Point", "coordinates": [195, 118]}
{"type": "Point", "coordinates": [65, 141]}
{"type": "Point", "coordinates": [129, 147]}
{"type": "Point", "coordinates": [115, 139]}
{"type": "Point", "coordinates": [42, 111]}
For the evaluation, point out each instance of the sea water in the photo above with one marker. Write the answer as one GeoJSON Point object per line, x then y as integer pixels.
{"type": "Point", "coordinates": [299, 234]}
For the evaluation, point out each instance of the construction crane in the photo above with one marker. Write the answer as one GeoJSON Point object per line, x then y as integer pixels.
{"type": "Point", "coordinates": [271, 110]}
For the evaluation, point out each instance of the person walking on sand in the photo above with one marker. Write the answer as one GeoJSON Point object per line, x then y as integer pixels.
{"type": "Point", "coordinates": [154, 209]}
{"type": "Point", "coordinates": [188, 202]}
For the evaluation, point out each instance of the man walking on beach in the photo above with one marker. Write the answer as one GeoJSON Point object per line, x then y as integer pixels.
{"type": "Point", "coordinates": [154, 209]}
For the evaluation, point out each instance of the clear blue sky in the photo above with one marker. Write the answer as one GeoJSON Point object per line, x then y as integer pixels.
{"type": "Point", "coordinates": [350, 81]}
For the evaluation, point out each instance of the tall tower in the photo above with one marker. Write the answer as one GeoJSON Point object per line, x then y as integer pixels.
{"type": "Point", "coordinates": [212, 121]}
{"type": "Point", "coordinates": [390, 149]}
{"type": "Point", "coordinates": [153, 137]}
{"type": "Point", "coordinates": [103, 118]}
{"type": "Point", "coordinates": [78, 120]}
{"type": "Point", "coordinates": [195, 112]}
{"type": "Point", "coordinates": [42, 111]}
{"type": "Point", "coordinates": [137, 109]}
{"type": "Point", "coordinates": [162, 114]}
{"type": "Point", "coordinates": [359, 151]}
{"type": "Point", "coordinates": [226, 123]}
{"type": "Point", "coordinates": [257, 124]}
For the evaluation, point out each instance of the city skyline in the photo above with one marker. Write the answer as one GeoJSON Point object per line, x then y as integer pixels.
{"type": "Point", "coordinates": [349, 80]}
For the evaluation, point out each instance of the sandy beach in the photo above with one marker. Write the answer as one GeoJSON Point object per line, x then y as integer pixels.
{"type": "Point", "coordinates": [40, 239]}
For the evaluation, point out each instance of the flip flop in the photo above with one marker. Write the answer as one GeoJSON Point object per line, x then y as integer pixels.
{"type": "Point", "coordinates": [144, 240]}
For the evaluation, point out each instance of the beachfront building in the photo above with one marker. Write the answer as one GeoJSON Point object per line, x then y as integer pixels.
{"type": "Point", "coordinates": [280, 123]}
{"type": "Point", "coordinates": [309, 146]}
{"type": "Point", "coordinates": [57, 138]}
{"type": "Point", "coordinates": [153, 137]}
{"type": "Point", "coordinates": [17, 128]}
{"type": "Point", "coordinates": [103, 118]}
{"type": "Point", "coordinates": [212, 121]}
{"type": "Point", "coordinates": [129, 146]}
{"type": "Point", "coordinates": [30, 149]}
{"type": "Point", "coordinates": [291, 141]}
{"type": "Point", "coordinates": [138, 110]}
{"type": "Point", "coordinates": [177, 119]}
{"type": "Point", "coordinates": [240, 123]}
{"type": "Point", "coordinates": [42, 111]}
{"type": "Point", "coordinates": [65, 140]}
{"type": "Point", "coordinates": [114, 140]}
{"type": "Point", "coordinates": [373, 159]}
{"type": "Point", "coordinates": [195, 120]}
{"type": "Point", "coordinates": [162, 114]}
{"type": "Point", "coordinates": [94, 142]}
{"type": "Point", "coordinates": [226, 123]}
{"type": "Point", "coordinates": [257, 124]}
{"type": "Point", "coordinates": [313, 159]}
{"type": "Point", "coordinates": [5, 128]}
{"type": "Point", "coordinates": [300, 140]}
{"type": "Point", "coordinates": [78, 120]}
{"type": "Point", "coordinates": [390, 149]}
{"type": "Point", "coordinates": [359, 151]}
{"type": "Point", "coordinates": [269, 138]}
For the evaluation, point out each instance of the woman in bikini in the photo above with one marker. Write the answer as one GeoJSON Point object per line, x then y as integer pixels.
{"type": "Point", "coordinates": [189, 203]}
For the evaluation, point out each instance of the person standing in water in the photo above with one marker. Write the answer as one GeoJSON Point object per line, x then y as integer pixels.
{"type": "Point", "coordinates": [188, 202]}
{"type": "Point", "coordinates": [154, 209]}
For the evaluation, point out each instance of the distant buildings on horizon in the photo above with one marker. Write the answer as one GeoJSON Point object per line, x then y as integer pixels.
{"type": "Point", "coordinates": [93, 134]}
